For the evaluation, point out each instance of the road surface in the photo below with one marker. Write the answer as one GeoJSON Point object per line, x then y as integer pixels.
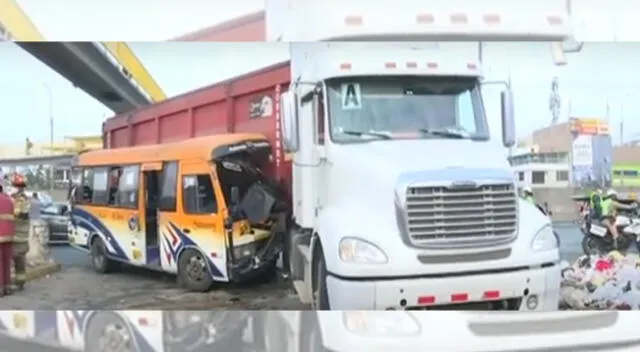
{"type": "Point", "coordinates": [77, 286]}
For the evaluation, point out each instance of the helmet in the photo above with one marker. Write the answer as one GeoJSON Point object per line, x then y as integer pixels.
{"type": "Point", "coordinates": [18, 181]}
{"type": "Point", "coordinates": [612, 193]}
{"type": "Point", "coordinates": [527, 189]}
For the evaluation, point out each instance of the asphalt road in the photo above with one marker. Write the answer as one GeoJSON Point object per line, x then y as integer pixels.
{"type": "Point", "coordinates": [9, 344]}
{"type": "Point", "coordinates": [77, 286]}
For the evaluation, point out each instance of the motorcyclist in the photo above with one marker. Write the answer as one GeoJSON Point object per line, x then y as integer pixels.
{"type": "Point", "coordinates": [595, 203]}
{"type": "Point", "coordinates": [527, 194]}
{"type": "Point", "coordinates": [610, 207]}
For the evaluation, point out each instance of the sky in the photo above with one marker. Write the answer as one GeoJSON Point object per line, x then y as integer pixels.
{"type": "Point", "coordinates": [602, 74]}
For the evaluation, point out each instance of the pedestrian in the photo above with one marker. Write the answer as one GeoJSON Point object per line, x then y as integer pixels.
{"type": "Point", "coordinates": [527, 195]}
{"type": "Point", "coordinates": [21, 238]}
{"type": "Point", "coordinates": [7, 231]}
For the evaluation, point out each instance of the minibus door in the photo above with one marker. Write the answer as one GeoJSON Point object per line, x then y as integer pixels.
{"type": "Point", "coordinates": [149, 212]}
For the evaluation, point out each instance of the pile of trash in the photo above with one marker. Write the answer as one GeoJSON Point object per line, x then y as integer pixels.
{"type": "Point", "coordinates": [609, 281]}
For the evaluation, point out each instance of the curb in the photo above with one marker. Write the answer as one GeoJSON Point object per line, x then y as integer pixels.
{"type": "Point", "coordinates": [42, 271]}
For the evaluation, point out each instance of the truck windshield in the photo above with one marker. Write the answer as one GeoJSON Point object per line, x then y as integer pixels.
{"type": "Point", "coordinates": [375, 108]}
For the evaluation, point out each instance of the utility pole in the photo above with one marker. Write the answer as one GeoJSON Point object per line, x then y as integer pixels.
{"type": "Point", "coordinates": [50, 101]}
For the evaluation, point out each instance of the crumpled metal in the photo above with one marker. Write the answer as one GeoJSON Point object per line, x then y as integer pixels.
{"type": "Point", "coordinates": [609, 281]}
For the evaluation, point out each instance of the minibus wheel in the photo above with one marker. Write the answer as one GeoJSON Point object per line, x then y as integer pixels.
{"type": "Point", "coordinates": [193, 272]}
{"type": "Point", "coordinates": [99, 259]}
{"type": "Point", "coordinates": [109, 333]}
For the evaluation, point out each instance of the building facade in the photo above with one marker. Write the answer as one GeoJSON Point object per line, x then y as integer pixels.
{"type": "Point", "coordinates": [539, 170]}
{"type": "Point", "coordinates": [575, 154]}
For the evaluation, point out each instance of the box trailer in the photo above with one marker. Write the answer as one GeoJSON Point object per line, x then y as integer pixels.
{"type": "Point", "coordinates": [247, 103]}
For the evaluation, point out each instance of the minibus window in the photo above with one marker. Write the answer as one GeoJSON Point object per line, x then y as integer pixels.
{"type": "Point", "coordinates": [168, 186]}
{"type": "Point", "coordinates": [197, 194]}
{"type": "Point", "coordinates": [86, 194]}
{"type": "Point", "coordinates": [100, 186]}
{"type": "Point", "coordinates": [126, 193]}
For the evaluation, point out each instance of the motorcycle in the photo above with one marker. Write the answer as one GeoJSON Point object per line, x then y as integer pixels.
{"type": "Point", "coordinates": [597, 238]}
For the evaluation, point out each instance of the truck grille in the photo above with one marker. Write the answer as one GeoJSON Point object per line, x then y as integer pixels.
{"type": "Point", "coordinates": [443, 217]}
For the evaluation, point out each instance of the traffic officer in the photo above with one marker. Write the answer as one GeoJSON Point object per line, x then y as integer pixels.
{"type": "Point", "coordinates": [595, 203]}
{"type": "Point", "coordinates": [527, 194]}
{"type": "Point", "coordinates": [7, 230]}
{"type": "Point", "coordinates": [21, 239]}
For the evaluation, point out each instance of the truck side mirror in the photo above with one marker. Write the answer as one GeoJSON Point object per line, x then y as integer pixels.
{"type": "Point", "coordinates": [508, 122]}
{"type": "Point", "coordinates": [289, 122]}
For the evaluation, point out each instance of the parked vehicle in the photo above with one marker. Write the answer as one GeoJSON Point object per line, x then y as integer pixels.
{"type": "Point", "coordinates": [57, 217]}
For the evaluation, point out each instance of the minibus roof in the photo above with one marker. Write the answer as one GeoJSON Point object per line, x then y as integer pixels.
{"type": "Point", "coordinates": [206, 148]}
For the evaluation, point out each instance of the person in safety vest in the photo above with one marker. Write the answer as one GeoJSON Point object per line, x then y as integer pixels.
{"type": "Point", "coordinates": [527, 194]}
{"type": "Point", "coordinates": [21, 205]}
{"type": "Point", "coordinates": [595, 203]}
{"type": "Point", "coordinates": [610, 207]}
{"type": "Point", "coordinates": [7, 231]}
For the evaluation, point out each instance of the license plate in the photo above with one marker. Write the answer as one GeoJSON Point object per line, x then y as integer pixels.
{"type": "Point", "coordinates": [598, 231]}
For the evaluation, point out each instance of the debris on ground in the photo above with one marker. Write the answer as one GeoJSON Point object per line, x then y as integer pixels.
{"type": "Point", "coordinates": [609, 281]}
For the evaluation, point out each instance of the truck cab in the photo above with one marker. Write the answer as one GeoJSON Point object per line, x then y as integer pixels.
{"type": "Point", "coordinates": [402, 196]}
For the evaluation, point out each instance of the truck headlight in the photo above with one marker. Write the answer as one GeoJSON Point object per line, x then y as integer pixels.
{"type": "Point", "coordinates": [381, 323]}
{"type": "Point", "coordinates": [359, 251]}
{"type": "Point", "coordinates": [544, 240]}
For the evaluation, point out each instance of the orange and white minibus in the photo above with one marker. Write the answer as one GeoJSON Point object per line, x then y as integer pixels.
{"type": "Point", "coordinates": [199, 208]}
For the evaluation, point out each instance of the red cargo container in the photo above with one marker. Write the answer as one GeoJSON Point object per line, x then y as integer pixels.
{"type": "Point", "coordinates": [248, 103]}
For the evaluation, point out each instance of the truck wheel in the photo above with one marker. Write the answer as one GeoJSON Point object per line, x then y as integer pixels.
{"type": "Point", "coordinates": [193, 272]}
{"type": "Point", "coordinates": [109, 333]}
{"type": "Point", "coordinates": [319, 285]}
{"type": "Point", "coordinates": [99, 259]}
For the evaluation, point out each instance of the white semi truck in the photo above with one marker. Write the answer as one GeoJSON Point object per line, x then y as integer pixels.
{"type": "Point", "coordinates": [402, 196]}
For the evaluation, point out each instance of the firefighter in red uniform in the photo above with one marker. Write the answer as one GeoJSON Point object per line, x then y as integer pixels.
{"type": "Point", "coordinates": [7, 231]}
{"type": "Point", "coordinates": [21, 236]}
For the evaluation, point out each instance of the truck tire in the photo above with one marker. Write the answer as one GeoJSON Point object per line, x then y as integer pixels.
{"type": "Point", "coordinates": [108, 332]}
{"type": "Point", "coordinates": [99, 259]}
{"type": "Point", "coordinates": [193, 272]}
{"type": "Point", "coordinates": [319, 285]}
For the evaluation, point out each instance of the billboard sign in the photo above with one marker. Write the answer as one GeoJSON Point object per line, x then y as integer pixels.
{"type": "Point", "coordinates": [583, 126]}
{"type": "Point", "coordinates": [591, 152]}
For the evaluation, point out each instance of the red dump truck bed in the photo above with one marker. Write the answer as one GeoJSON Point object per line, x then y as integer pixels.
{"type": "Point", "coordinates": [247, 103]}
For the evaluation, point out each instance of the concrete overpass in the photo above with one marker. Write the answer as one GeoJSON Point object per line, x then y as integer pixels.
{"type": "Point", "coordinates": [62, 161]}
{"type": "Point", "coordinates": [89, 68]}
{"type": "Point", "coordinates": [108, 71]}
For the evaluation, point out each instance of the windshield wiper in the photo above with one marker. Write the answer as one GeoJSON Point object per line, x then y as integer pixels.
{"type": "Point", "coordinates": [446, 133]}
{"type": "Point", "coordinates": [365, 133]}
